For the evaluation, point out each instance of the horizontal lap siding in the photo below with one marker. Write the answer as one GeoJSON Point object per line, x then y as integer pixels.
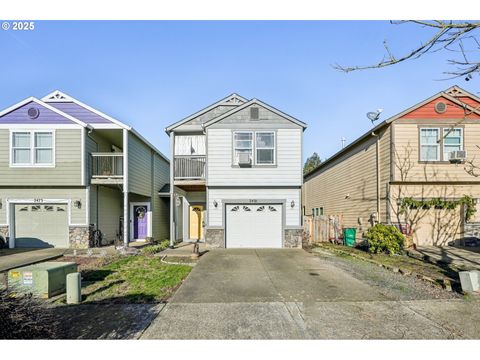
{"type": "Point", "coordinates": [287, 172]}
{"type": "Point", "coordinates": [222, 195]}
{"type": "Point", "coordinates": [110, 208]}
{"type": "Point", "coordinates": [78, 216]}
{"type": "Point", "coordinates": [407, 148]}
{"type": "Point", "coordinates": [348, 185]}
{"type": "Point", "coordinates": [139, 166]}
{"type": "Point", "coordinates": [67, 170]}
{"type": "Point", "coordinates": [160, 205]}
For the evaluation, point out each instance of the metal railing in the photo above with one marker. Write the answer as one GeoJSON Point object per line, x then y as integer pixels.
{"type": "Point", "coordinates": [107, 165]}
{"type": "Point", "coordinates": [190, 167]}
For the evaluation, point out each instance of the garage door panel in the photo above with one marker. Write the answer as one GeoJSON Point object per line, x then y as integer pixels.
{"type": "Point", "coordinates": [254, 226]}
{"type": "Point", "coordinates": [41, 225]}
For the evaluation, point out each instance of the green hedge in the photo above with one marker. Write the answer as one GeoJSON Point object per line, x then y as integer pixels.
{"type": "Point", "coordinates": [384, 239]}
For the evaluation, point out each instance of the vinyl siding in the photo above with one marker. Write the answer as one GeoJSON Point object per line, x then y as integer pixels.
{"type": "Point", "coordinates": [292, 215]}
{"type": "Point", "coordinates": [287, 171]}
{"type": "Point", "coordinates": [160, 205]}
{"type": "Point", "coordinates": [347, 186]}
{"type": "Point", "coordinates": [209, 115]}
{"type": "Point", "coordinates": [139, 166]}
{"type": "Point", "coordinates": [110, 208]}
{"type": "Point", "coordinates": [78, 216]}
{"type": "Point", "coordinates": [407, 149]}
{"type": "Point", "coordinates": [67, 170]}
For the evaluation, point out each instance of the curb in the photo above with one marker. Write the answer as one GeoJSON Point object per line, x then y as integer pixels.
{"type": "Point", "coordinates": [441, 282]}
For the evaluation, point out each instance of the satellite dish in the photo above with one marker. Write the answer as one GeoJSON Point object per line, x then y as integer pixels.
{"type": "Point", "coordinates": [374, 115]}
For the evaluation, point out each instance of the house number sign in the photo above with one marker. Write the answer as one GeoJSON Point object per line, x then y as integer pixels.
{"type": "Point", "coordinates": [253, 201]}
{"type": "Point", "coordinates": [38, 200]}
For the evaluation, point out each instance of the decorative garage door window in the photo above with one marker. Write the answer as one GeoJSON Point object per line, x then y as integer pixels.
{"type": "Point", "coordinates": [235, 208]}
{"type": "Point", "coordinates": [261, 208]}
{"type": "Point", "coordinates": [246, 208]}
{"type": "Point", "coordinates": [271, 208]}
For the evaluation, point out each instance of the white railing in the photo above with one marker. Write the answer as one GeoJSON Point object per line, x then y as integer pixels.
{"type": "Point", "coordinates": [107, 165]}
{"type": "Point", "coordinates": [190, 167]}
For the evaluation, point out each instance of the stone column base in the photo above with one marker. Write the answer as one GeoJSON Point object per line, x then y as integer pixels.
{"type": "Point", "coordinates": [80, 237]}
{"type": "Point", "coordinates": [293, 238]}
{"type": "Point", "coordinates": [215, 238]}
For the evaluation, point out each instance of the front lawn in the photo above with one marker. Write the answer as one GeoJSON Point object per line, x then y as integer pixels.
{"type": "Point", "coordinates": [133, 279]}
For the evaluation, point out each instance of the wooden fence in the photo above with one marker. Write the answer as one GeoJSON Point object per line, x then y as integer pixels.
{"type": "Point", "coordinates": [321, 228]}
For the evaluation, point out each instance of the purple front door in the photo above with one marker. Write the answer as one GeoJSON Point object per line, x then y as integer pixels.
{"type": "Point", "coordinates": [140, 221]}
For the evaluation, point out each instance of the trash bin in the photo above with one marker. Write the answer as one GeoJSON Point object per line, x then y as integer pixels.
{"type": "Point", "coordinates": [349, 236]}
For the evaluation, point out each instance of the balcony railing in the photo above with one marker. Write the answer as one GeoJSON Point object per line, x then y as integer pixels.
{"type": "Point", "coordinates": [190, 167]}
{"type": "Point", "coordinates": [107, 166]}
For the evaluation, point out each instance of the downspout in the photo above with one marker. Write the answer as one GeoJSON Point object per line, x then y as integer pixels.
{"type": "Point", "coordinates": [172, 191]}
{"type": "Point", "coordinates": [377, 150]}
{"type": "Point", "coordinates": [126, 221]}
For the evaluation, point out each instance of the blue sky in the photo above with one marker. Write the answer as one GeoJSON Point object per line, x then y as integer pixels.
{"type": "Point", "coordinates": [153, 73]}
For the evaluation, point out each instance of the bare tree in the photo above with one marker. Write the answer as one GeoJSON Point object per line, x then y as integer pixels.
{"type": "Point", "coordinates": [457, 37]}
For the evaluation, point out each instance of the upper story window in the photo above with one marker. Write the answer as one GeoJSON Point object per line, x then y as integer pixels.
{"type": "Point", "coordinates": [452, 141]}
{"type": "Point", "coordinates": [429, 144]}
{"type": "Point", "coordinates": [243, 143]}
{"type": "Point", "coordinates": [259, 145]}
{"type": "Point", "coordinates": [32, 148]}
{"type": "Point", "coordinates": [265, 148]}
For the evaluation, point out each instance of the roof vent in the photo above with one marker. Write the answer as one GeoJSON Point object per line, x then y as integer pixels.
{"type": "Point", "coordinates": [33, 113]}
{"type": "Point", "coordinates": [254, 113]}
{"type": "Point", "coordinates": [440, 107]}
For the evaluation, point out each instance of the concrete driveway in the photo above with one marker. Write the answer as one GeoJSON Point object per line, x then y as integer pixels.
{"type": "Point", "coordinates": [291, 294]}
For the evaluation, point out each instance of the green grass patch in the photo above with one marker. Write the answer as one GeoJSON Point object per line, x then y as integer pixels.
{"type": "Point", "coordinates": [133, 279]}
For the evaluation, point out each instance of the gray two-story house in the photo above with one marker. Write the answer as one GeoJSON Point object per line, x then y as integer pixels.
{"type": "Point", "coordinates": [68, 169]}
{"type": "Point", "coordinates": [237, 176]}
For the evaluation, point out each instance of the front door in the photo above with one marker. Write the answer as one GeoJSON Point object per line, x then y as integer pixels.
{"type": "Point", "coordinates": [196, 222]}
{"type": "Point", "coordinates": [140, 222]}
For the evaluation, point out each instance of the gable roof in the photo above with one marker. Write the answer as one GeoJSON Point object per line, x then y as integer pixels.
{"type": "Point", "coordinates": [45, 105]}
{"type": "Point", "coordinates": [231, 100]}
{"type": "Point", "coordinates": [255, 102]}
{"type": "Point", "coordinates": [449, 94]}
{"type": "Point", "coordinates": [85, 111]}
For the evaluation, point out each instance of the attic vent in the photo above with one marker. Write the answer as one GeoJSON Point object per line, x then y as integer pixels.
{"type": "Point", "coordinates": [440, 107]}
{"type": "Point", "coordinates": [254, 113]}
{"type": "Point", "coordinates": [33, 113]}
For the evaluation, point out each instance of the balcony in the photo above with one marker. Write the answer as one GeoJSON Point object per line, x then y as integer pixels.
{"type": "Point", "coordinates": [107, 168]}
{"type": "Point", "coordinates": [189, 168]}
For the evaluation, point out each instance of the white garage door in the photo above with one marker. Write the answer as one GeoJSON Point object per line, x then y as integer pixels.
{"type": "Point", "coordinates": [44, 225]}
{"type": "Point", "coordinates": [254, 226]}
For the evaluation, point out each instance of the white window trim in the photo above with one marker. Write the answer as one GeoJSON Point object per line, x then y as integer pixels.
{"type": "Point", "coordinates": [444, 134]}
{"type": "Point", "coordinates": [235, 162]}
{"type": "Point", "coordinates": [32, 163]}
{"type": "Point", "coordinates": [254, 146]}
{"type": "Point", "coordinates": [439, 145]}
{"type": "Point", "coordinates": [274, 147]}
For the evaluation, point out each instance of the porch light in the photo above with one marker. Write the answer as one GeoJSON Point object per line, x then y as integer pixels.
{"type": "Point", "coordinates": [215, 203]}
{"type": "Point", "coordinates": [1, 204]}
{"type": "Point", "coordinates": [77, 204]}
{"type": "Point", "coordinates": [292, 204]}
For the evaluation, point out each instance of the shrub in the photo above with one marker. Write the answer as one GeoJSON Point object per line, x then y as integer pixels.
{"type": "Point", "coordinates": [23, 316]}
{"type": "Point", "coordinates": [153, 249]}
{"type": "Point", "coordinates": [384, 238]}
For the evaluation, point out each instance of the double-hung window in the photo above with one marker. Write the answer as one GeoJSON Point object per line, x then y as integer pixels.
{"type": "Point", "coordinates": [243, 143]}
{"type": "Point", "coordinates": [452, 141]}
{"type": "Point", "coordinates": [429, 144]}
{"type": "Point", "coordinates": [32, 148]}
{"type": "Point", "coordinates": [265, 148]}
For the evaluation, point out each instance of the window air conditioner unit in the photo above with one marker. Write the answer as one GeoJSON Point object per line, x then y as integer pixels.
{"type": "Point", "coordinates": [244, 159]}
{"type": "Point", "coordinates": [458, 156]}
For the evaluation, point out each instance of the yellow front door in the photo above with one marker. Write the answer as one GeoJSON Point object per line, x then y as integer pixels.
{"type": "Point", "coordinates": [196, 222]}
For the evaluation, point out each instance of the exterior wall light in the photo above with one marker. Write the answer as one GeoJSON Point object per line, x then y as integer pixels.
{"type": "Point", "coordinates": [77, 204]}
{"type": "Point", "coordinates": [1, 204]}
{"type": "Point", "coordinates": [215, 203]}
{"type": "Point", "coordinates": [292, 204]}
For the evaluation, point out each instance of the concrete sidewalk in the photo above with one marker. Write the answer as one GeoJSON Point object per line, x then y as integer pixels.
{"type": "Point", "coordinates": [20, 259]}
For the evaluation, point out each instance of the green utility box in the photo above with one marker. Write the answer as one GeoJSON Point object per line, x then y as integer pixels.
{"type": "Point", "coordinates": [45, 279]}
{"type": "Point", "coordinates": [349, 236]}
